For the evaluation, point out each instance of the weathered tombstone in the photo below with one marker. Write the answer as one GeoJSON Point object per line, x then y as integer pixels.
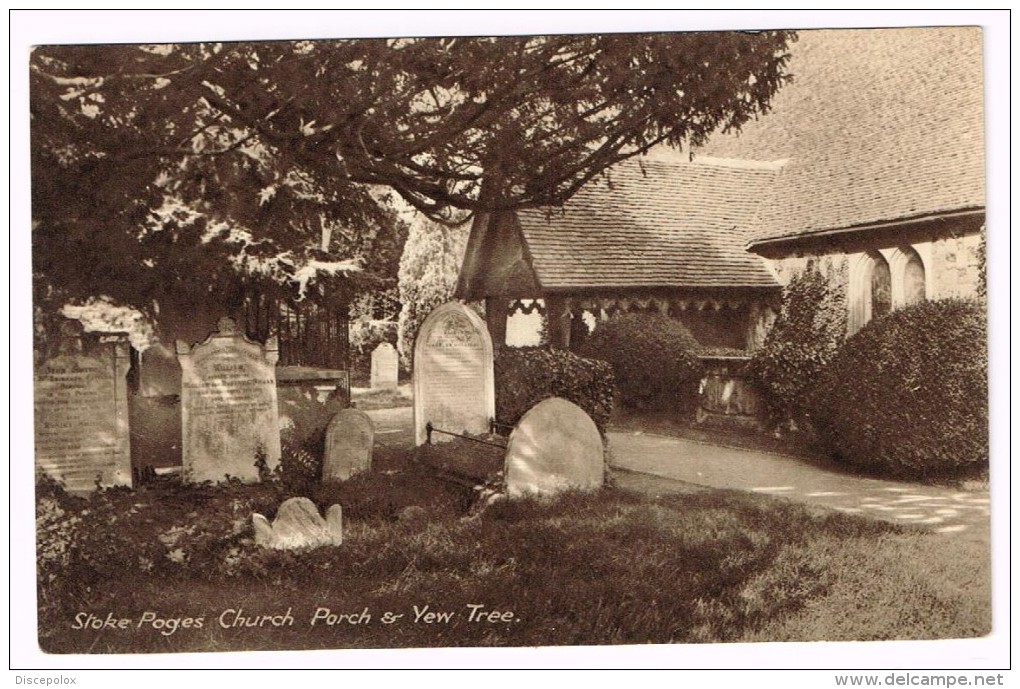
{"type": "Point", "coordinates": [229, 416]}
{"type": "Point", "coordinates": [81, 412]}
{"type": "Point", "coordinates": [555, 447]}
{"type": "Point", "coordinates": [349, 438]}
{"type": "Point", "coordinates": [298, 524]}
{"type": "Point", "coordinates": [453, 379]}
{"type": "Point", "coordinates": [384, 367]}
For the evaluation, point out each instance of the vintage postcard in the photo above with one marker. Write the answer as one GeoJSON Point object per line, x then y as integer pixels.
{"type": "Point", "coordinates": [653, 342]}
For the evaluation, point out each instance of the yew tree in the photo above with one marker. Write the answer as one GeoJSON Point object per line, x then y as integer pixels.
{"type": "Point", "coordinates": [170, 173]}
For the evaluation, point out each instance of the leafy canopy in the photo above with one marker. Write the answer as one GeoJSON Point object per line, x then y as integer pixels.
{"type": "Point", "coordinates": [183, 168]}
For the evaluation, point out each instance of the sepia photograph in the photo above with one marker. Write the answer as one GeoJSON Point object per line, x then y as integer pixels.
{"type": "Point", "coordinates": [554, 336]}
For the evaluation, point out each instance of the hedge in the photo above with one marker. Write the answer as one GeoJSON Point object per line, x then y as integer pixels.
{"type": "Point", "coordinates": [907, 395]}
{"type": "Point", "coordinates": [654, 360]}
{"type": "Point", "coordinates": [525, 376]}
{"type": "Point", "coordinates": [808, 332]}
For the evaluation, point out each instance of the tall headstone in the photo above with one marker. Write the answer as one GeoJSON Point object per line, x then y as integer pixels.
{"type": "Point", "coordinates": [384, 367]}
{"type": "Point", "coordinates": [555, 447]}
{"type": "Point", "coordinates": [81, 412]}
{"type": "Point", "coordinates": [229, 418]}
{"type": "Point", "coordinates": [453, 379]}
{"type": "Point", "coordinates": [349, 439]}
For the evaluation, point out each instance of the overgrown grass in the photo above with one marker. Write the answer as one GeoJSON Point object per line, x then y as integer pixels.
{"type": "Point", "coordinates": [612, 567]}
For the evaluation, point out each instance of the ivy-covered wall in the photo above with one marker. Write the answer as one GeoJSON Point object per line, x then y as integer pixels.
{"type": "Point", "coordinates": [952, 268]}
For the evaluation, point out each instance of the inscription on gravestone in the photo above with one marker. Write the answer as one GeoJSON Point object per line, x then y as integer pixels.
{"type": "Point", "coordinates": [81, 414]}
{"type": "Point", "coordinates": [349, 438]}
{"type": "Point", "coordinates": [453, 378]}
{"type": "Point", "coordinates": [384, 367]}
{"type": "Point", "coordinates": [229, 413]}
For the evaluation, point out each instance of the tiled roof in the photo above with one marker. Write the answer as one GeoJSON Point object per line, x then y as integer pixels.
{"type": "Point", "coordinates": [653, 223]}
{"type": "Point", "coordinates": [878, 124]}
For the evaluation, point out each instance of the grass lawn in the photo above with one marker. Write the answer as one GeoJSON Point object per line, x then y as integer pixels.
{"type": "Point", "coordinates": [613, 567]}
{"type": "Point", "coordinates": [367, 399]}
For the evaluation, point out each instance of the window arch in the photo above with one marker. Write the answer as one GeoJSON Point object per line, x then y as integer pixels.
{"type": "Point", "coordinates": [879, 285]}
{"type": "Point", "coordinates": [870, 293]}
{"type": "Point", "coordinates": [913, 277]}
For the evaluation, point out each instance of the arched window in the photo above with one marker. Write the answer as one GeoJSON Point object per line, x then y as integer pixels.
{"type": "Point", "coordinates": [913, 278]}
{"type": "Point", "coordinates": [881, 285]}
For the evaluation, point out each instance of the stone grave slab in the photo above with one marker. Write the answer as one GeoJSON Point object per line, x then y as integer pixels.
{"type": "Point", "coordinates": [349, 439]}
{"type": "Point", "coordinates": [555, 447]}
{"type": "Point", "coordinates": [385, 367]}
{"type": "Point", "coordinates": [298, 524]}
{"type": "Point", "coordinates": [229, 415]}
{"type": "Point", "coordinates": [82, 437]}
{"type": "Point", "coordinates": [453, 377]}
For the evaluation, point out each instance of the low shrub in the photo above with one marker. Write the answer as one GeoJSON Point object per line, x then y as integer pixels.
{"type": "Point", "coordinates": [809, 330]}
{"type": "Point", "coordinates": [170, 531]}
{"type": "Point", "coordinates": [158, 530]}
{"type": "Point", "coordinates": [907, 395]}
{"type": "Point", "coordinates": [527, 375]}
{"type": "Point", "coordinates": [653, 358]}
{"type": "Point", "coordinates": [303, 436]}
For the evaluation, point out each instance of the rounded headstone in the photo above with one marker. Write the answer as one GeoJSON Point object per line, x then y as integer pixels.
{"type": "Point", "coordinates": [453, 378]}
{"type": "Point", "coordinates": [349, 439]}
{"type": "Point", "coordinates": [555, 447]}
{"type": "Point", "coordinates": [385, 367]}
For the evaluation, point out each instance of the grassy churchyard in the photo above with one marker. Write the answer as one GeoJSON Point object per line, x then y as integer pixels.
{"type": "Point", "coordinates": [172, 569]}
{"type": "Point", "coordinates": [367, 344]}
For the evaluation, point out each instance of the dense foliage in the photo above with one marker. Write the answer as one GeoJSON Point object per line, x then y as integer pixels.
{"type": "Point", "coordinates": [427, 277]}
{"type": "Point", "coordinates": [654, 360]}
{"type": "Point", "coordinates": [525, 376]}
{"type": "Point", "coordinates": [908, 394]}
{"type": "Point", "coordinates": [303, 433]}
{"type": "Point", "coordinates": [168, 530]}
{"type": "Point", "coordinates": [154, 164]}
{"type": "Point", "coordinates": [809, 330]}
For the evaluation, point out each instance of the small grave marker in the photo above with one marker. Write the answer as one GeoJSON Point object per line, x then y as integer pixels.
{"type": "Point", "coordinates": [349, 439]}
{"type": "Point", "coordinates": [298, 524]}
{"type": "Point", "coordinates": [555, 447]}
{"type": "Point", "coordinates": [384, 367]}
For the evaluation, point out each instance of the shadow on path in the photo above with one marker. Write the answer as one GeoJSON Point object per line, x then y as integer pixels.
{"type": "Point", "coordinates": [943, 510]}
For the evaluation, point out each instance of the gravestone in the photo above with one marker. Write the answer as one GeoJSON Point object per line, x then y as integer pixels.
{"type": "Point", "coordinates": [298, 524]}
{"type": "Point", "coordinates": [384, 367]}
{"type": "Point", "coordinates": [349, 438]}
{"type": "Point", "coordinates": [81, 412]}
{"type": "Point", "coordinates": [229, 414]}
{"type": "Point", "coordinates": [453, 379]}
{"type": "Point", "coordinates": [555, 447]}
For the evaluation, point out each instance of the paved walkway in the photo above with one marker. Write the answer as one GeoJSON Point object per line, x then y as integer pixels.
{"type": "Point", "coordinates": [942, 509]}
{"type": "Point", "coordinates": [704, 464]}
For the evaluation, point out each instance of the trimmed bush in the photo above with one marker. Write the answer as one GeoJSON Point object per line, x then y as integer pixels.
{"type": "Point", "coordinates": [527, 375]}
{"type": "Point", "coordinates": [809, 330]}
{"type": "Point", "coordinates": [907, 395]}
{"type": "Point", "coordinates": [654, 360]}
